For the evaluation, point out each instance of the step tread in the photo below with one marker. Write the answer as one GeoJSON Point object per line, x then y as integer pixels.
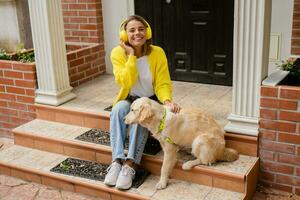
{"type": "Point", "coordinates": [69, 132]}
{"type": "Point", "coordinates": [19, 156]}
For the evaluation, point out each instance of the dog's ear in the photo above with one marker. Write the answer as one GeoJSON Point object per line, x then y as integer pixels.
{"type": "Point", "coordinates": [146, 112]}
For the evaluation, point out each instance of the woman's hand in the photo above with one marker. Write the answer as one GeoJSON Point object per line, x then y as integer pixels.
{"type": "Point", "coordinates": [174, 106]}
{"type": "Point", "coordinates": [129, 50]}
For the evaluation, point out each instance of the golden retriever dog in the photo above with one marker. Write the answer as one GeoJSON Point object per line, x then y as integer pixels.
{"type": "Point", "coordinates": [188, 128]}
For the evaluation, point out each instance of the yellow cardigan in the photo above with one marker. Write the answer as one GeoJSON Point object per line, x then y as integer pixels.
{"type": "Point", "coordinates": [126, 72]}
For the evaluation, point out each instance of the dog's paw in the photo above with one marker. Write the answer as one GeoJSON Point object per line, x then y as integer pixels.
{"type": "Point", "coordinates": [161, 185]}
{"type": "Point", "coordinates": [186, 166]}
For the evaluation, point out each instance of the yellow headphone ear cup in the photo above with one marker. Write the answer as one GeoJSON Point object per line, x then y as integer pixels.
{"type": "Point", "coordinates": [123, 36]}
{"type": "Point", "coordinates": [148, 32]}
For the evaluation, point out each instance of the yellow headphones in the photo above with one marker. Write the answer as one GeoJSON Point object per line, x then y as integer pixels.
{"type": "Point", "coordinates": [124, 37]}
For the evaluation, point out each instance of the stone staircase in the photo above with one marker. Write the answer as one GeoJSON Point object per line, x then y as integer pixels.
{"type": "Point", "coordinates": [48, 140]}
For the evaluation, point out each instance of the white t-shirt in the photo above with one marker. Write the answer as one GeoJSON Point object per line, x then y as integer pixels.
{"type": "Point", "coordinates": [143, 86]}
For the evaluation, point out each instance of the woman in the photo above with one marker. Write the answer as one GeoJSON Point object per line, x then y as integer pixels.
{"type": "Point", "coordinates": [141, 70]}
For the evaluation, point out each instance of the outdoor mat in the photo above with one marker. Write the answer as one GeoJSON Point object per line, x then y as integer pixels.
{"type": "Point", "coordinates": [93, 170]}
{"type": "Point", "coordinates": [108, 108]}
{"type": "Point", "coordinates": [97, 136]}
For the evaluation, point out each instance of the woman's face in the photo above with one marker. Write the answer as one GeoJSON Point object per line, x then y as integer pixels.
{"type": "Point", "coordinates": [136, 32]}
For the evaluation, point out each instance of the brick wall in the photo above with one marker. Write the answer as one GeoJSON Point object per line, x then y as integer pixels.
{"type": "Point", "coordinates": [279, 138]}
{"type": "Point", "coordinates": [85, 63]}
{"type": "Point", "coordinates": [17, 92]}
{"type": "Point", "coordinates": [296, 29]}
{"type": "Point", "coordinates": [83, 21]}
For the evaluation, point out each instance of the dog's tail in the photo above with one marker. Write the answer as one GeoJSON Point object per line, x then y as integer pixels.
{"type": "Point", "coordinates": [230, 155]}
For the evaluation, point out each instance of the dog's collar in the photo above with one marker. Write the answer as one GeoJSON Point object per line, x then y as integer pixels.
{"type": "Point", "coordinates": [162, 122]}
{"type": "Point", "coordinates": [162, 126]}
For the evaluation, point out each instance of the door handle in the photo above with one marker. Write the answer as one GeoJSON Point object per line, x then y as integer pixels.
{"type": "Point", "coordinates": [168, 1]}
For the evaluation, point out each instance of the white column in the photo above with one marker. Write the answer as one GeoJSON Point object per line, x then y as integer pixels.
{"type": "Point", "coordinates": [50, 52]}
{"type": "Point", "coordinates": [250, 63]}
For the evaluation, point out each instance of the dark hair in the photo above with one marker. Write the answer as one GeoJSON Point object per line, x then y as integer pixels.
{"type": "Point", "coordinates": [147, 46]}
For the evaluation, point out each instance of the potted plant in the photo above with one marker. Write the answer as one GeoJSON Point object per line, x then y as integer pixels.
{"type": "Point", "coordinates": [292, 65]}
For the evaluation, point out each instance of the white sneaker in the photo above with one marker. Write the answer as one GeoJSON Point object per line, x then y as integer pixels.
{"type": "Point", "coordinates": [125, 178]}
{"type": "Point", "coordinates": [113, 172]}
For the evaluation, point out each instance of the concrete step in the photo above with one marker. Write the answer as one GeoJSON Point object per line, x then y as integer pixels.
{"type": "Point", "coordinates": [239, 176]}
{"type": "Point", "coordinates": [34, 165]}
{"type": "Point", "coordinates": [75, 113]}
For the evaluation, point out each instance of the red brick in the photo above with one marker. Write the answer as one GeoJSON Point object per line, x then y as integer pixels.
{"type": "Point", "coordinates": [6, 81]}
{"type": "Point", "coordinates": [95, 49]}
{"type": "Point", "coordinates": [77, 6]}
{"type": "Point", "coordinates": [5, 64]}
{"type": "Point", "coordinates": [77, 77]}
{"type": "Point", "coordinates": [83, 52]}
{"type": "Point", "coordinates": [71, 26]}
{"type": "Point", "coordinates": [25, 99]}
{"type": "Point", "coordinates": [268, 135]}
{"type": "Point", "coordinates": [290, 92]}
{"type": "Point", "coordinates": [72, 39]}
{"type": "Point", "coordinates": [267, 176]}
{"type": "Point", "coordinates": [3, 103]}
{"type": "Point", "coordinates": [76, 62]}
{"type": "Point", "coordinates": [277, 167]}
{"type": "Point", "coordinates": [268, 114]}
{"type": "Point", "coordinates": [87, 1]}
{"type": "Point", "coordinates": [289, 138]}
{"type": "Point", "coordinates": [298, 151]}
{"type": "Point", "coordinates": [278, 125]}
{"type": "Point", "coordinates": [289, 159]}
{"type": "Point", "coordinates": [80, 33]}
{"type": "Point", "coordinates": [269, 91]}
{"type": "Point", "coordinates": [289, 116]}
{"type": "Point", "coordinates": [25, 84]}
{"type": "Point", "coordinates": [288, 105]}
{"type": "Point", "coordinates": [94, 6]}
{"type": "Point", "coordinates": [298, 171]}
{"type": "Point", "coordinates": [69, 1]}
{"type": "Point", "coordinates": [7, 125]}
{"type": "Point", "coordinates": [64, 6]}
{"type": "Point", "coordinates": [31, 108]}
{"type": "Point", "coordinates": [26, 115]}
{"type": "Point", "coordinates": [92, 71]}
{"type": "Point", "coordinates": [6, 96]}
{"type": "Point", "coordinates": [297, 191]}
{"type": "Point", "coordinates": [6, 111]}
{"type": "Point", "coordinates": [71, 56]}
{"type": "Point", "coordinates": [90, 40]}
{"type": "Point", "coordinates": [17, 106]}
{"type": "Point", "coordinates": [266, 155]}
{"type": "Point", "coordinates": [78, 20]}
{"type": "Point", "coordinates": [70, 13]}
{"type": "Point", "coordinates": [18, 121]}
{"type": "Point", "coordinates": [287, 180]}
{"type": "Point", "coordinates": [13, 74]}
{"type": "Point", "coordinates": [277, 186]}
{"type": "Point", "coordinates": [2, 88]}
{"type": "Point", "coordinates": [1, 73]}
{"type": "Point", "coordinates": [24, 67]}
{"type": "Point", "coordinates": [278, 103]}
{"type": "Point", "coordinates": [88, 27]}
{"type": "Point", "coordinates": [30, 76]}
{"type": "Point", "coordinates": [84, 67]}
{"type": "Point", "coordinates": [277, 147]}
{"type": "Point", "coordinates": [30, 92]}
{"type": "Point", "coordinates": [15, 90]}
{"type": "Point", "coordinates": [91, 57]}
{"type": "Point", "coordinates": [4, 118]}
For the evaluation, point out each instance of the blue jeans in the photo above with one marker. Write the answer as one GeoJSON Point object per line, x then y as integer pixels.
{"type": "Point", "coordinates": [118, 131]}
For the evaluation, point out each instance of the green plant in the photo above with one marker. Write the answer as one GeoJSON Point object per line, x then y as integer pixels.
{"type": "Point", "coordinates": [4, 55]}
{"type": "Point", "coordinates": [292, 65]}
{"type": "Point", "coordinates": [23, 55]}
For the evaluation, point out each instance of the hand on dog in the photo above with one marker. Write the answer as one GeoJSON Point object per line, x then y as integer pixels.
{"type": "Point", "coordinates": [174, 106]}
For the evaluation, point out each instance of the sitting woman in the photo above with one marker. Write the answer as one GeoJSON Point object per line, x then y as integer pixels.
{"type": "Point", "coordinates": [141, 70]}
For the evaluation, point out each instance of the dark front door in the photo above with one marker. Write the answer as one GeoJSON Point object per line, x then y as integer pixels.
{"type": "Point", "coordinates": [197, 36]}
